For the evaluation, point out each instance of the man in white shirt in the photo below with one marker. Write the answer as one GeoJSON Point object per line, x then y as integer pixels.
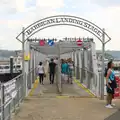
{"type": "Point", "coordinates": [56, 61]}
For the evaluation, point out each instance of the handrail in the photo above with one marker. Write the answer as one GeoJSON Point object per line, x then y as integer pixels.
{"type": "Point", "coordinates": [85, 68]}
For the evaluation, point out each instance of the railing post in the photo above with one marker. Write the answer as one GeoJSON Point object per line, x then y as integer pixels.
{"type": "Point", "coordinates": [99, 84]}
{"type": "Point", "coordinates": [30, 64]}
{"type": "Point", "coordinates": [22, 84]}
{"type": "Point", "coordinates": [86, 67]}
{"type": "Point", "coordinates": [103, 67]}
{"type": "Point", "coordinates": [82, 67]}
{"type": "Point", "coordinates": [57, 79]}
{"type": "Point", "coordinates": [59, 69]}
{"type": "Point", "coordinates": [74, 62]}
{"type": "Point", "coordinates": [89, 80]}
{"type": "Point", "coordinates": [34, 65]}
{"type": "Point", "coordinates": [23, 61]}
{"type": "Point", "coordinates": [2, 102]}
{"type": "Point", "coordinates": [77, 67]}
{"type": "Point", "coordinates": [19, 91]}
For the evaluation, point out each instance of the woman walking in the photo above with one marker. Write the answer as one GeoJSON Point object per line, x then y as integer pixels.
{"type": "Point", "coordinates": [110, 83]}
{"type": "Point", "coordinates": [41, 72]}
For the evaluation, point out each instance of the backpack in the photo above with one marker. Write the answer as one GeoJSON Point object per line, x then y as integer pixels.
{"type": "Point", "coordinates": [105, 73]}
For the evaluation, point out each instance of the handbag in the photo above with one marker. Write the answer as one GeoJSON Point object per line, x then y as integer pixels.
{"type": "Point", "coordinates": [65, 77]}
{"type": "Point", "coordinates": [111, 91]}
{"type": "Point", "coordinates": [62, 77]}
{"type": "Point", "coordinates": [44, 75]}
{"type": "Point", "coordinates": [115, 83]}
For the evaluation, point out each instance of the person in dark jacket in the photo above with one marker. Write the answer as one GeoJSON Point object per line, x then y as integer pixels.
{"type": "Point", "coordinates": [52, 66]}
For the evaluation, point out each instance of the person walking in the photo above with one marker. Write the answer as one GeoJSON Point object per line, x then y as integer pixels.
{"type": "Point", "coordinates": [110, 84]}
{"type": "Point", "coordinates": [62, 70]}
{"type": "Point", "coordinates": [56, 61]}
{"type": "Point", "coordinates": [52, 66]}
{"type": "Point", "coordinates": [41, 73]}
{"type": "Point", "coordinates": [65, 70]}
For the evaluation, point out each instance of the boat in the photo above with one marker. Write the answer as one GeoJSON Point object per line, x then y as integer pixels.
{"type": "Point", "coordinates": [17, 66]}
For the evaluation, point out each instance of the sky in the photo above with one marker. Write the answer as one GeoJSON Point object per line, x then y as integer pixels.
{"type": "Point", "coordinates": [15, 14]}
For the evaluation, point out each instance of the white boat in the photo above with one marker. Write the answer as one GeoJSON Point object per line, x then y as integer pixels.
{"type": "Point", "coordinates": [6, 68]}
{"type": "Point", "coordinates": [17, 67]}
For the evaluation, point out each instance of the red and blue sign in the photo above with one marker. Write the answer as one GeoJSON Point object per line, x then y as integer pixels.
{"type": "Point", "coordinates": [41, 42]}
{"type": "Point", "coordinates": [50, 42]}
{"type": "Point", "coordinates": [79, 42]}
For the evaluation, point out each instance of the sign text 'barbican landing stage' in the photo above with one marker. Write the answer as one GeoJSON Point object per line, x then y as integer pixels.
{"type": "Point", "coordinates": [48, 22]}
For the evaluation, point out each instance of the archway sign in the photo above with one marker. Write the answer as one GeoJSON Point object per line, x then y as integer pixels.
{"type": "Point", "coordinates": [70, 21]}
{"type": "Point", "coordinates": [63, 20]}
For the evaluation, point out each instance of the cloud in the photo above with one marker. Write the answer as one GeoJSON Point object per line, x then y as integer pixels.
{"type": "Point", "coordinates": [106, 3]}
{"type": "Point", "coordinates": [109, 18]}
{"type": "Point", "coordinates": [50, 3]}
{"type": "Point", "coordinates": [18, 13]}
{"type": "Point", "coordinates": [12, 6]}
{"type": "Point", "coordinates": [20, 5]}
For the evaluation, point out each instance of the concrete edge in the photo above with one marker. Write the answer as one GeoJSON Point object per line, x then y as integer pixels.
{"type": "Point", "coordinates": [84, 88]}
{"type": "Point", "coordinates": [35, 85]}
{"type": "Point", "coordinates": [60, 97]}
{"type": "Point", "coordinates": [89, 90]}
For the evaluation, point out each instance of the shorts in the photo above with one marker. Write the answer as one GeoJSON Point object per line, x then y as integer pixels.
{"type": "Point", "coordinates": [70, 73]}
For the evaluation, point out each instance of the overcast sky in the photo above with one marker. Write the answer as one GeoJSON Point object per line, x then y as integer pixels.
{"type": "Point", "coordinates": [15, 14]}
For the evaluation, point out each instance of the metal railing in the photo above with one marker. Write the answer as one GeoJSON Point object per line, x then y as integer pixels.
{"type": "Point", "coordinates": [89, 80]}
{"type": "Point", "coordinates": [12, 94]}
{"type": "Point", "coordinates": [31, 77]}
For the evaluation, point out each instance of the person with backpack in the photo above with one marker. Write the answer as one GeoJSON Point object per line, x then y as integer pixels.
{"type": "Point", "coordinates": [110, 84]}
{"type": "Point", "coordinates": [41, 72]}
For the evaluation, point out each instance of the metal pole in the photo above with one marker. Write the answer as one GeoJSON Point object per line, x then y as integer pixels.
{"type": "Point", "coordinates": [23, 62]}
{"type": "Point", "coordinates": [30, 68]}
{"type": "Point", "coordinates": [103, 67]}
{"type": "Point", "coordinates": [80, 64]}
{"type": "Point", "coordinates": [33, 64]}
{"type": "Point", "coordinates": [74, 61]}
{"type": "Point", "coordinates": [11, 65]}
{"type": "Point", "coordinates": [83, 66]}
{"type": "Point", "coordinates": [59, 71]}
{"type": "Point", "coordinates": [2, 101]}
{"type": "Point", "coordinates": [77, 67]}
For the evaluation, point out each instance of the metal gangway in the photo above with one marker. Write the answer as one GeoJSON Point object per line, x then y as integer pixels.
{"type": "Point", "coordinates": [85, 70]}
